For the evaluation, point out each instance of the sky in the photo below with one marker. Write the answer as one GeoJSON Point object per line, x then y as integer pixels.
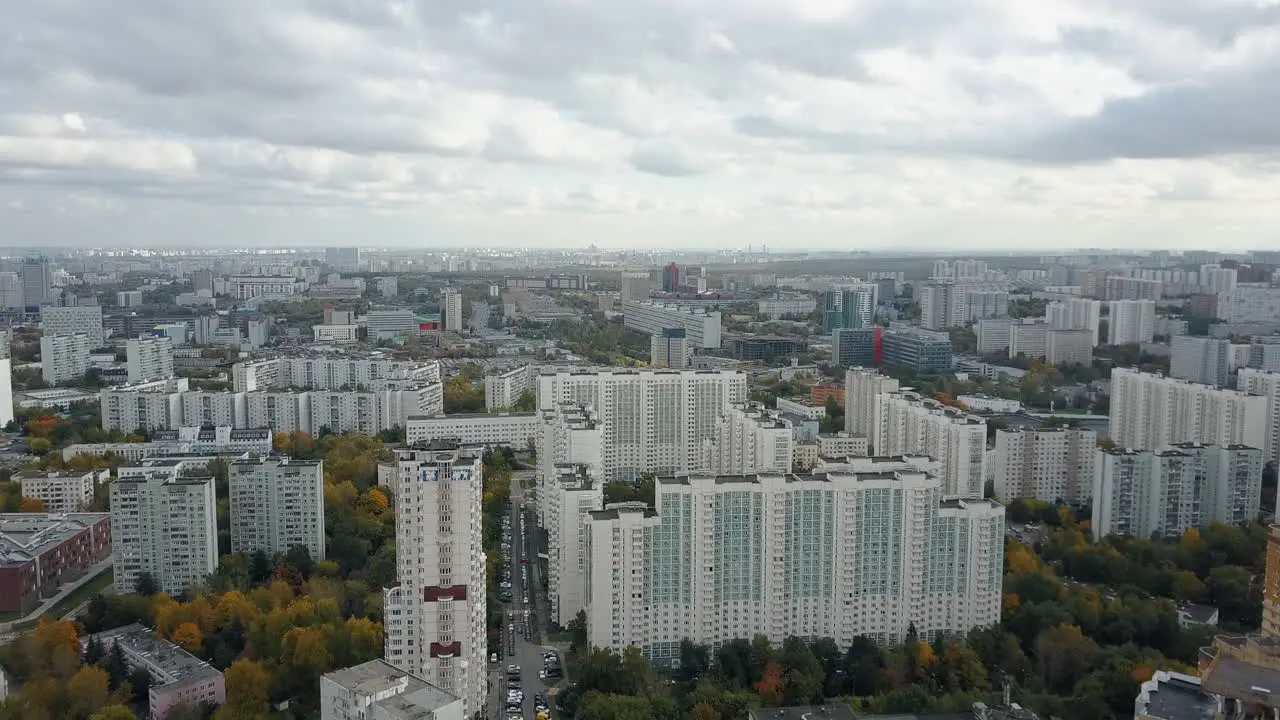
{"type": "Point", "coordinates": [800, 124]}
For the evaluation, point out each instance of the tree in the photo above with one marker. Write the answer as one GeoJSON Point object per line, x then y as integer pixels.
{"type": "Point", "coordinates": [32, 505]}
{"type": "Point", "coordinates": [188, 636]}
{"type": "Point", "coordinates": [114, 712]}
{"type": "Point", "coordinates": [248, 686]}
{"type": "Point", "coordinates": [147, 585]}
{"type": "Point", "coordinates": [299, 558]}
{"type": "Point", "coordinates": [87, 691]}
{"type": "Point", "coordinates": [1064, 656]}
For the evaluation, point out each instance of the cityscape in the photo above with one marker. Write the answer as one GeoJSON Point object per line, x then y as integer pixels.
{"type": "Point", "coordinates": [354, 482]}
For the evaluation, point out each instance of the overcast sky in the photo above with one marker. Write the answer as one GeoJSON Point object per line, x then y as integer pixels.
{"type": "Point", "coordinates": [852, 124]}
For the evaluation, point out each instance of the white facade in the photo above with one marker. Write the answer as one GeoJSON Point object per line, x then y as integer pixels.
{"type": "Point", "coordinates": [504, 390]}
{"type": "Point", "coordinates": [862, 388]}
{"type": "Point", "coordinates": [823, 555]}
{"type": "Point", "coordinates": [1217, 279]}
{"type": "Point", "coordinates": [1149, 412]}
{"type": "Point", "coordinates": [329, 373]}
{"type": "Point", "coordinates": [335, 333]}
{"type": "Point", "coordinates": [64, 358]}
{"type": "Point", "coordinates": [842, 445]}
{"type": "Point", "coordinates": [62, 492]}
{"type": "Point", "coordinates": [377, 690]}
{"type": "Point", "coordinates": [511, 429]}
{"type": "Point", "coordinates": [1201, 360]}
{"type": "Point", "coordinates": [163, 522]}
{"type": "Point", "coordinates": [1075, 314]}
{"type": "Point", "coordinates": [1069, 346]}
{"type": "Point", "coordinates": [652, 421]}
{"type": "Point", "coordinates": [702, 328]}
{"type": "Point", "coordinates": [277, 504]}
{"type": "Point", "coordinates": [992, 335]}
{"type": "Point", "coordinates": [572, 494]}
{"type": "Point", "coordinates": [907, 424]}
{"type": "Point", "coordinates": [775, 308]}
{"type": "Point", "coordinates": [1047, 464]}
{"type": "Point", "coordinates": [149, 359]}
{"type": "Point", "coordinates": [946, 304]}
{"type": "Point", "coordinates": [6, 379]}
{"type": "Point", "coordinates": [87, 319]}
{"type": "Point", "coordinates": [451, 310]}
{"type": "Point", "coordinates": [1266, 384]}
{"type": "Point", "coordinates": [1131, 321]}
{"type": "Point", "coordinates": [1250, 305]}
{"type": "Point", "coordinates": [802, 408]}
{"type": "Point", "coordinates": [246, 287]}
{"type": "Point", "coordinates": [570, 435]}
{"type": "Point", "coordinates": [435, 615]}
{"type": "Point", "coordinates": [1028, 337]}
{"type": "Point", "coordinates": [748, 439]}
{"type": "Point", "coordinates": [1167, 492]}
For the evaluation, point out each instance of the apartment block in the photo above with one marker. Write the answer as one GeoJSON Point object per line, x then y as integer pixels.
{"type": "Point", "coordinates": [1166, 492]}
{"type": "Point", "coordinates": [947, 304]}
{"type": "Point", "coordinates": [1075, 314]}
{"type": "Point", "coordinates": [652, 421]}
{"type": "Point", "coordinates": [572, 494]}
{"type": "Point", "coordinates": [39, 553]}
{"type": "Point", "coordinates": [514, 430]}
{"type": "Point", "coordinates": [86, 319]}
{"type": "Point", "coordinates": [635, 286]}
{"type": "Point", "coordinates": [993, 335]}
{"type": "Point", "coordinates": [149, 359]}
{"type": "Point", "coordinates": [818, 555]}
{"type": "Point", "coordinates": [247, 287]}
{"type": "Point", "coordinates": [702, 327]}
{"type": "Point", "coordinates": [908, 424]}
{"type": "Point", "coordinates": [1201, 360]}
{"type": "Point", "coordinates": [329, 373]}
{"type": "Point", "coordinates": [64, 358]}
{"type": "Point", "coordinates": [1150, 411]}
{"type": "Point", "coordinates": [164, 522]}
{"type": "Point", "coordinates": [1063, 347]}
{"type": "Point", "coordinates": [277, 504]}
{"type": "Point", "coordinates": [1131, 321]}
{"type": "Point", "coordinates": [178, 678]}
{"type": "Point", "coordinates": [748, 439]}
{"type": "Point", "coordinates": [504, 390]}
{"type": "Point", "coordinates": [1046, 464]}
{"type": "Point", "coordinates": [670, 349]}
{"type": "Point", "coordinates": [451, 310]}
{"type": "Point", "coordinates": [435, 614]}
{"type": "Point", "coordinates": [62, 492]}
{"type": "Point", "coordinates": [848, 307]}
{"type": "Point", "coordinates": [1249, 305]}
{"type": "Point", "coordinates": [862, 388]}
{"type": "Point", "coordinates": [377, 690]}
{"type": "Point", "coordinates": [221, 440]}
{"type": "Point", "coordinates": [1029, 337]}
{"type": "Point", "coordinates": [1266, 384]}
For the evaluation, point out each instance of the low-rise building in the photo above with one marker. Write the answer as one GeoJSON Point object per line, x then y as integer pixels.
{"type": "Point", "coordinates": [510, 429]}
{"type": "Point", "coordinates": [377, 690]}
{"type": "Point", "coordinates": [39, 553]}
{"type": "Point", "coordinates": [62, 492]}
{"type": "Point", "coordinates": [178, 678]}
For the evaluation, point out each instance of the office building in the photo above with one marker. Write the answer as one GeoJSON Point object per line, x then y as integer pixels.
{"type": "Point", "coordinates": [702, 327]}
{"type": "Point", "coordinates": [504, 390]}
{"type": "Point", "coordinates": [149, 359]}
{"type": "Point", "coordinates": [1029, 337]}
{"type": "Point", "coordinates": [653, 420]}
{"type": "Point", "coordinates": [435, 613]}
{"type": "Point", "coordinates": [37, 283]}
{"type": "Point", "coordinates": [164, 523]}
{"type": "Point", "coordinates": [1066, 347]}
{"type": "Point", "coordinates": [670, 349]}
{"type": "Point", "coordinates": [839, 555]}
{"type": "Point", "coordinates": [1202, 360]}
{"type": "Point", "coordinates": [1151, 411]}
{"type": "Point", "coordinates": [921, 351]}
{"type": "Point", "coordinates": [849, 308]}
{"type": "Point", "coordinates": [635, 286]}
{"type": "Point", "coordinates": [451, 310]}
{"type": "Point", "coordinates": [247, 287]}
{"type": "Point", "coordinates": [1131, 321]}
{"type": "Point", "coordinates": [748, 439]}
{"type": "Point", "coordinates": [330, 373]}
{"type": "Point", "coordinates": [178, 678]}
{"type": "Point", "coordinates": [1266, 384]}
{"type": "Point", "coordinates": [1075, 314]}
{"type": "Point", "coordinates": [908, 424]}
{"type": "Point", "coordinates": [64, 358]}
{"type": "Point", "coordinates": [862, 390]}
{"type": "Point", "coordinates": [860, 347]}
{"type": "Point", "coordinates": [671, 278]}
{"type": "Point", "coordinates": [1047, 464]}
{"type": "Point", "coordinates": [277, 504]}
{"type": "Point", "coordinates": [993, 335]}
{"type": "Point", "coordinates": [61, 492]}
{"type": "Point", "coordinates": [761, 347]}
{"type": "Point", "coordinates": [343, 259]}
{"type": "Point", "coordinates": [572, 494]}
{"type": "Point", "coordinates": [508, 429]}
{"type": "Point", "coordinates": [39, 553]}
{"type": "Point", "coordinates": [377, 690]}
{"type": "Point", "coordinates": [1166, 492]}
{"type": "Point", "coordinates": [6, 378]}
{"type": "Point", "coordinates": [87, 319]}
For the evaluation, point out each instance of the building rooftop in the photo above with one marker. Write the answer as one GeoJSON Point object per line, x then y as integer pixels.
{"type": "Point", "coordinates": [168, 663]}
{"type": "Point", "coordinates": [417, 700]}
{"type": "Point", "coordinates": [617, 510]}
{"type": "Point", "coordinates": [474, 416]}
{"type": "Point", "coordinates": [24, 536]}
{"type": "Point", "coordinates": [1173, 696]}
{"type": "Point", "coordinates": [809, 712]}
{"type": "Point", "coordinates": [276, 460]}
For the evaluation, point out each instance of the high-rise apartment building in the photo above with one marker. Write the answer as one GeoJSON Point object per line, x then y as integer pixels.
{"type": "Point", "coordinates": [949, 304]}
{"type": "Point", "coordinates": [61, 492]}
{"type": "Point", "coordinates": [87, 319]}
{"type": "Point", "coordinates": [504, 390]}
{"type": "Point", "coordinates": [749, 439]}
{"type": "Point", "coordinates": [10, 291]}
{"type": "Point", "coordinates": [64, 358]}
{"type": "Point", "coordinates": [1063, 347]}
{"type": "Point", "coordinates": [993, 335]}
{"type": "Point", "coordinates": [568, 436]}
{"type": "Point", "coordinates": [451, 310]}
{"type": "Point", "coordinates": [329, 373]}
{"type": "Point", "coordinates": [653, 420]}
{"type": "Point", "coordinates": [572, 494]}
{"type": "Point", "coordinates": [164, 523]}
{"type": "Point", "coordinates": [1217, 279]}
{"type": "Point", "coordinates": [435, 614]}
{"type": "Point", "coordinates": [1151, 411]}
{"type": "Point", "coordinates": [1264, 353]}
{"type": "Point", "coordinates": [6, 378]}
{"type": "Point", "coordinates": [1201, 360]}
{"type": "Point", "coordinates": [149, 359]}
{"type": "Point", "coordinates": [1028, 337]}
{"type": "Point", "coordinates": [869, 552]}
{"type": "Point", "coordinates": [343, 259]}
{"type": "Point", "coordinates": [670, 349]}
{"type": "Point", "coordinates": [908, 424]}
{"type": "Point", "coordinates": [702, 327]}
{"type": "Point", "coordinates": [37, 282]}
{"type": "Point", "coordinates": [862, 390]}
{"type": "Point", "coordinates": [1266, 384]}
{"type": "Point", "coordinates": [202, 281]}
{"type": "Point", "coordinates": [1075, 314]}
{"type": "Point", "coordinates": [1131, 321]}
{"type": "Point", "coordinates": [635, 286]}
{"type": "Point", "coordinates": [277, 504]}
{"type": "Point", "coordinates": [1167, 492]}
{"type": "Point", "coordinates": [1047, 464]}
{"type": "Point", "coordinates": [848, 308]}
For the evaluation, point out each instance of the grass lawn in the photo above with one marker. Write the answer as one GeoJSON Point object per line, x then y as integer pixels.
{"type": "Point", "coordinates": [100, 582]}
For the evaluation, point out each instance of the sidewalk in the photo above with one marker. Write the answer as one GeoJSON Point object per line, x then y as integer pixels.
{"type": "Point", "coordinates": [93, 572]}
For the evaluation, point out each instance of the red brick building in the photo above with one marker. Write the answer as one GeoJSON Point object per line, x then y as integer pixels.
{"type": "Point", "coordinates": [40, 552]}
{"type": "Point", "coordinates": [818, 394]}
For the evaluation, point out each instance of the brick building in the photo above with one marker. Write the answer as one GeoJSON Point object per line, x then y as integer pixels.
{"type": "Point", "coordinates": [41, 552]}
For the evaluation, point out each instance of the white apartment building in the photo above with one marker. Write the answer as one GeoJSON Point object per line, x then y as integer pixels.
{"type": "Point", "coordinates": [329, 373]}
{"type": "Point", "coordinates": [147, 406]}
{"type": "Point", "coordinates": [993, 335]}
{"type": "Point", "coordinates": [87, 319]}
{"type": "Point", "coordinates": [217, 440]}
{"type": "Point", "coordinates": [1201, 360]}
{"type": "Point", "coordinates": [335, 333]}
{"type": "Point", "coordinates": [1151, 411]}
{"type": "Point", "coordinates": [1131, 321]}
{"type": "Point", "coordinates": [164, 522]}
{"type": "Point", "coordinates": [1075, 314]}
{"type": "Point", "coordinates": [377, 690]}
{"type": "Point", "coordinates": [6, 378]}
{"type": "Point", "coordinates": [572, 494]}
{"type": "Point", "coordinates": [908, 424]}
{"type": "Point", "coordinates": [504, 390]}
{"type": "Point", "coordinates": [64, 358]}
{"type": "Point", "coordinates": [451, 310]}
{"type": "Point", "coordinates": [1047, 464]}
{"type": "Point", "coordinates": [821, 555]}
{"type": "Point", "coordinates": [1217, 279]}
{"type": "Point", "coordinates": [653, 420]}
{"type": "Point", "coordinates": [862, 388]}
{"type": "Point", "coordinates": [149, 359]}
{"type": "Point", "coordinates": [748, 439]}
{"type": "Point", "coordinates": [383, 324]}
{"type": "Point", "coordinates": [62, 492]}
{"type": "Point", "coordinates": [802, 408]}
{"type": "Point", "coordinates": [1069, 346]}
{"type": "Point", "coordinates": [435, 615]}
{"type": "Point", "coordinates": [1167, 492]}
{"type": "Point", "coordinates": [702, 327]}
{"type": "Point", "coordinates": [947, 304]}
{"type": "Point", "coordinates": [1266, 384]}
{"type": "Point", "coordinates": [1249, 305]}
{"type": "Point", "coordinates": [510, 429]}
{"type": "Point", "coordinates": [277, 503]}
{"type": "Point", "coordinates": [570, 435]}
{"type": "Point", "coordinates": [1028, 337]}
{"type": "Point", "coordinates": [842, 445]}
{"type": "Point", "coordinates": [246, 287]}
{"type": "Point", "coordinates": [670, 349]}
{"type": "Point", "coordinates": [778, 307]}
{"type": "Point", "coordinates": [635, 286]}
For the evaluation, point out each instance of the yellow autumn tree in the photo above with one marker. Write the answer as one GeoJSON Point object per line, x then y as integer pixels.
{"type": "Point", "coordinates": [248, 685]}
{"type": "Point", "coordinates": [87, 691]}
{"type": "Point", "coordinates": [188, 637]}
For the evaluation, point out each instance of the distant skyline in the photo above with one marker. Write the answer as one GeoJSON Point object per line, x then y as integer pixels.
{"type": "Point", "coordinates": [966, 126]}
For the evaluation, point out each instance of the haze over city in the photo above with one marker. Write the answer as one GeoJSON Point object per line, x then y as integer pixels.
{"type": "Point", "coordinates": [817, 124]}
